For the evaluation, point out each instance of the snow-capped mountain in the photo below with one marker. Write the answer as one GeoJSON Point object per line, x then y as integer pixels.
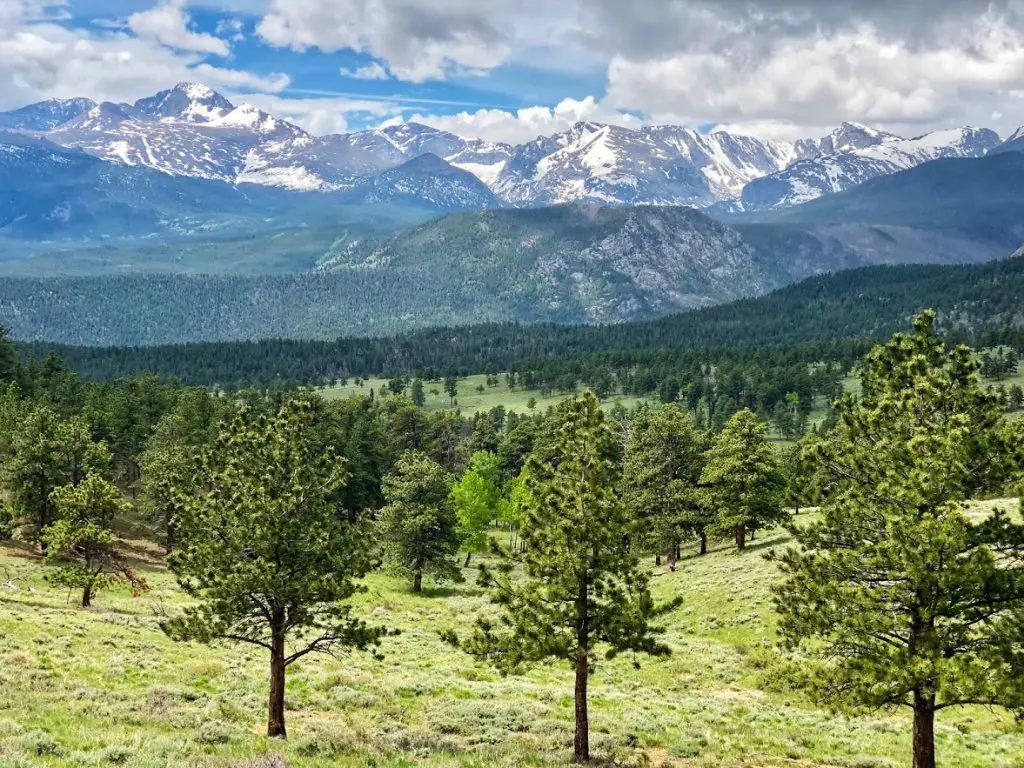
{"type": "Point", "coordinates": [187, 131]}
{"type": "Point", "coordinates": [45, 115]}
{"type": "Point", "coordinates": [429, 181]}
{"type": "Point", "coordinates": [192, 131]}
{"type": "Point", "coordinates": [1013, 144]}
{"type": "Point", "coordinates": [346, 161]}
{"type": "Point", "coordinates": [854, 154]}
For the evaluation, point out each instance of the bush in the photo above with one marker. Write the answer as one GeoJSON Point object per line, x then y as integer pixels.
{"type": "Point", "coordinates": [213, 732]}
{"type": "Point", "coordinates": [40, 744]}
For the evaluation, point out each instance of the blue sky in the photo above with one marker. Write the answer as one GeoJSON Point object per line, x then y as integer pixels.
{"type": "Point", "coordinates": [511, 69]}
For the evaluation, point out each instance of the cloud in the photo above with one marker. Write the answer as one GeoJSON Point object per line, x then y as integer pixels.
{"type": "Point", "coordinates": [525, 124]}
{"type": "Point", "coordinates": [41, 59]}
{"type": "Point", "coordinates": [417, 41]}
{"type": "Point", "coordinates": [169, 24]}
{"type": "Point", "coordinates": [232, 29]}
{"type": "Point", "coordinates": [655, 28]}
{"type": "Point", "coordinates": [821, 79]}
{"type": "Point", "coordinates": [371, 71]}
{"type": "Point", "coordinates": [234, 78]}
{"type": "Point", "coordinates": [322, 116]}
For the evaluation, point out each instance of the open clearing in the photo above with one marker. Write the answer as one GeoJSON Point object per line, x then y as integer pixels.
{"type": "Point", "coordinates": [105, 687]}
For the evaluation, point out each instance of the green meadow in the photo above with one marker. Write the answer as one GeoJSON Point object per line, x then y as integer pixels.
{"type": "Point", "coordinates": [104, 686]}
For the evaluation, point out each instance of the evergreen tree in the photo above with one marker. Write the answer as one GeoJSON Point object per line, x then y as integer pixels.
{"type": "Point", "coordinates": [419, 525]}
{"type": "Point", "coordinates": [81, 539]}
{"type": "Point", "coordinates": [743, 479]}
{"type": "Point", "coordinates": [264, 549]}
{"type": "Point", "coordinates": [584, 591]}
{"type": "Point", "coordinates": [170, 463]}
{"type": "Point", "coordinates": [48, 452]}
{"type": "Point", "coordinates": [664, 461]}
{"type": "Point", "coordinates": [1016, 398]}
{"type": "Point", "coordinates": [906, 599]}
{"type": "Point", "coordinates": [418, 398]}
{"type": "Point", "coordinates": [478, 501]}
{"type": "Point", "coordinates": [451, 388]}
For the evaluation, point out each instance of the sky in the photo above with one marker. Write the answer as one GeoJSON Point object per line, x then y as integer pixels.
{"type": "Point", "coordinates": [510, 70]}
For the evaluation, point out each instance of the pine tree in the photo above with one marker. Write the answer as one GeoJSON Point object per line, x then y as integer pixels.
{"type": "Point", "coordinates": [418, 525]}
{"type": "Point", "coordinates": [744, 482]}
{"type": "Point", "coordinates": [418, 398]}
{"type": "Point", "coordinates": [451, 388]}
{"type": "Point", "coordinates": [907, 600]}
{"type": "Point", "coordinates": [81, 539]}
{"type": "Point", "coordinates": [264, 549]}
{"type": "Point", "coordinates": [664, 461]}
{"type": "Point", "coordinates": [584, 591]}
{"type": "Point", "coordinates": [48, 452]}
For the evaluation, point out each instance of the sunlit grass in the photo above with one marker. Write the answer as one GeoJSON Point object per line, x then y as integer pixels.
{"type": "Point", "coordinates": [105, 687]}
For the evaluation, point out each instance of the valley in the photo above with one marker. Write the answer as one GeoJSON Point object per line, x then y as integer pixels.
{"type": "Point", "coordinates": [351, 440]}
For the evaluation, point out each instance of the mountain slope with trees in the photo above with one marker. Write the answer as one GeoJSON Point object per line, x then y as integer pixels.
{"type": "Point", "coordinates": [983, 304]}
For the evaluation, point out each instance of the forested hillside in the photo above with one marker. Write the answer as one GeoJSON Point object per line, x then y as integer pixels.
{"type": "Point", "coordinates": [565, 265]}
{"type": "Point", "coordinates": [983, 304]}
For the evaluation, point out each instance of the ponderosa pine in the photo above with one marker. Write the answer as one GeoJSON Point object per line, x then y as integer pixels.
{"type": "Point", "coordinates": [744, 483]}
{"type": "Point", "coordinates": [582, 594]}
{"type": "Point", "coordinates": [907, 600]}
{"type": "Point", "coordinates": [265, 549]}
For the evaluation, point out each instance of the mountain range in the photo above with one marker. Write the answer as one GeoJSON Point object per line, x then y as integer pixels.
{"type": "Point", "coordinates": [184, 217]}
{"type": "Point", "coordinates": [192, 131]}
{"type": "Point", "coordinates": [567, 264]}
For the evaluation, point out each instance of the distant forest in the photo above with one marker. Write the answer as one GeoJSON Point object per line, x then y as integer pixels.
{"type": "Point", "coordinates": [825, 318]}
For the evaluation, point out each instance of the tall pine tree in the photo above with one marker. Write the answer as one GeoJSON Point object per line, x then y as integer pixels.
{"type": "Point", "coordinates": [907, 600]}
{"type": "Point", "coordinates": [265, 550]}
{"type": "Point", "coordinates": [744, 482]}
{"type": "Point", "coordinates": [418, 525]}
{"type": "Point", "coordinates": [583, 594]}
{"type": "Point", "coordinates": [664, 461]}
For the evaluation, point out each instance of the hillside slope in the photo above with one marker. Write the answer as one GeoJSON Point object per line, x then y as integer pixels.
{"type": "Point", "coordinates": [981, 304]}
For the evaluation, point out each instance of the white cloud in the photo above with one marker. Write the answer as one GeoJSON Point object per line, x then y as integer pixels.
{"type": "Point", "coordinates": [169, 24]}
{"type": "Point", "coordinates": [234, 78]}
{"type": "Point", "coordinates": [525, 124]}
{"type": "Point", "coordinates": [324, 115]}
{"type": "Point", "coordinates": [790, 84]}
{"type": "Point", "coordinates": [418, 41]}
{"type": "Point", "coordinates": [40, 59]}
{"type": "Point", "coordinates": [232, 29]}
{"type": "Point", "coordinates": [371, 71]}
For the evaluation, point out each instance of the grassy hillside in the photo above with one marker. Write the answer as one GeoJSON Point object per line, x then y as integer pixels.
{"type": "Point", "coordinates": [104, 686]}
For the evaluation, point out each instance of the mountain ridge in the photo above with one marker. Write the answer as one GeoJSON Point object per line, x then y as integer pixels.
{"type": "Point", "coordinates": [191, 130]}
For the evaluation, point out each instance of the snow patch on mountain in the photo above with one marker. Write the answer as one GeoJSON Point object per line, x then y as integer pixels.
{"type": "Point", "coordinates": [862, 154]}
{"type": "Point", "coordinates": [191, 130]}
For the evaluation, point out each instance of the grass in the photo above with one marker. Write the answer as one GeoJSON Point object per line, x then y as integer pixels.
{"type": "Point", "coordinates": [105, 687]}
{"type": "Point", "coordinates": [470, 399]}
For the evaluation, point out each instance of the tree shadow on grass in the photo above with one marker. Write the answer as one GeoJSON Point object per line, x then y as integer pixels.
{"type": "Point", "coordinates": [453, 591]}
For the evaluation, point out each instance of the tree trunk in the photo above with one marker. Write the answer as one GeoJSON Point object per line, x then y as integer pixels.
{"type": "Point", "coordinates": [275, 712]}
{"type": "Point", "coordinates": [466, 564]}
{"type": "Point", "coordinates": [703, 543]}
{"type": "Point", "coordinates": [86, 595]}
{"type": "Point", "coordinates": [924, 731]}
{"type": "Point", "coordinates": [657, 560]}
{"type": "Point", "coordinates": [741, 538]}
{"type": "Point", "coordinates": [417, 582]}
{"type": "Point", "coordinates": [581, 741]}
